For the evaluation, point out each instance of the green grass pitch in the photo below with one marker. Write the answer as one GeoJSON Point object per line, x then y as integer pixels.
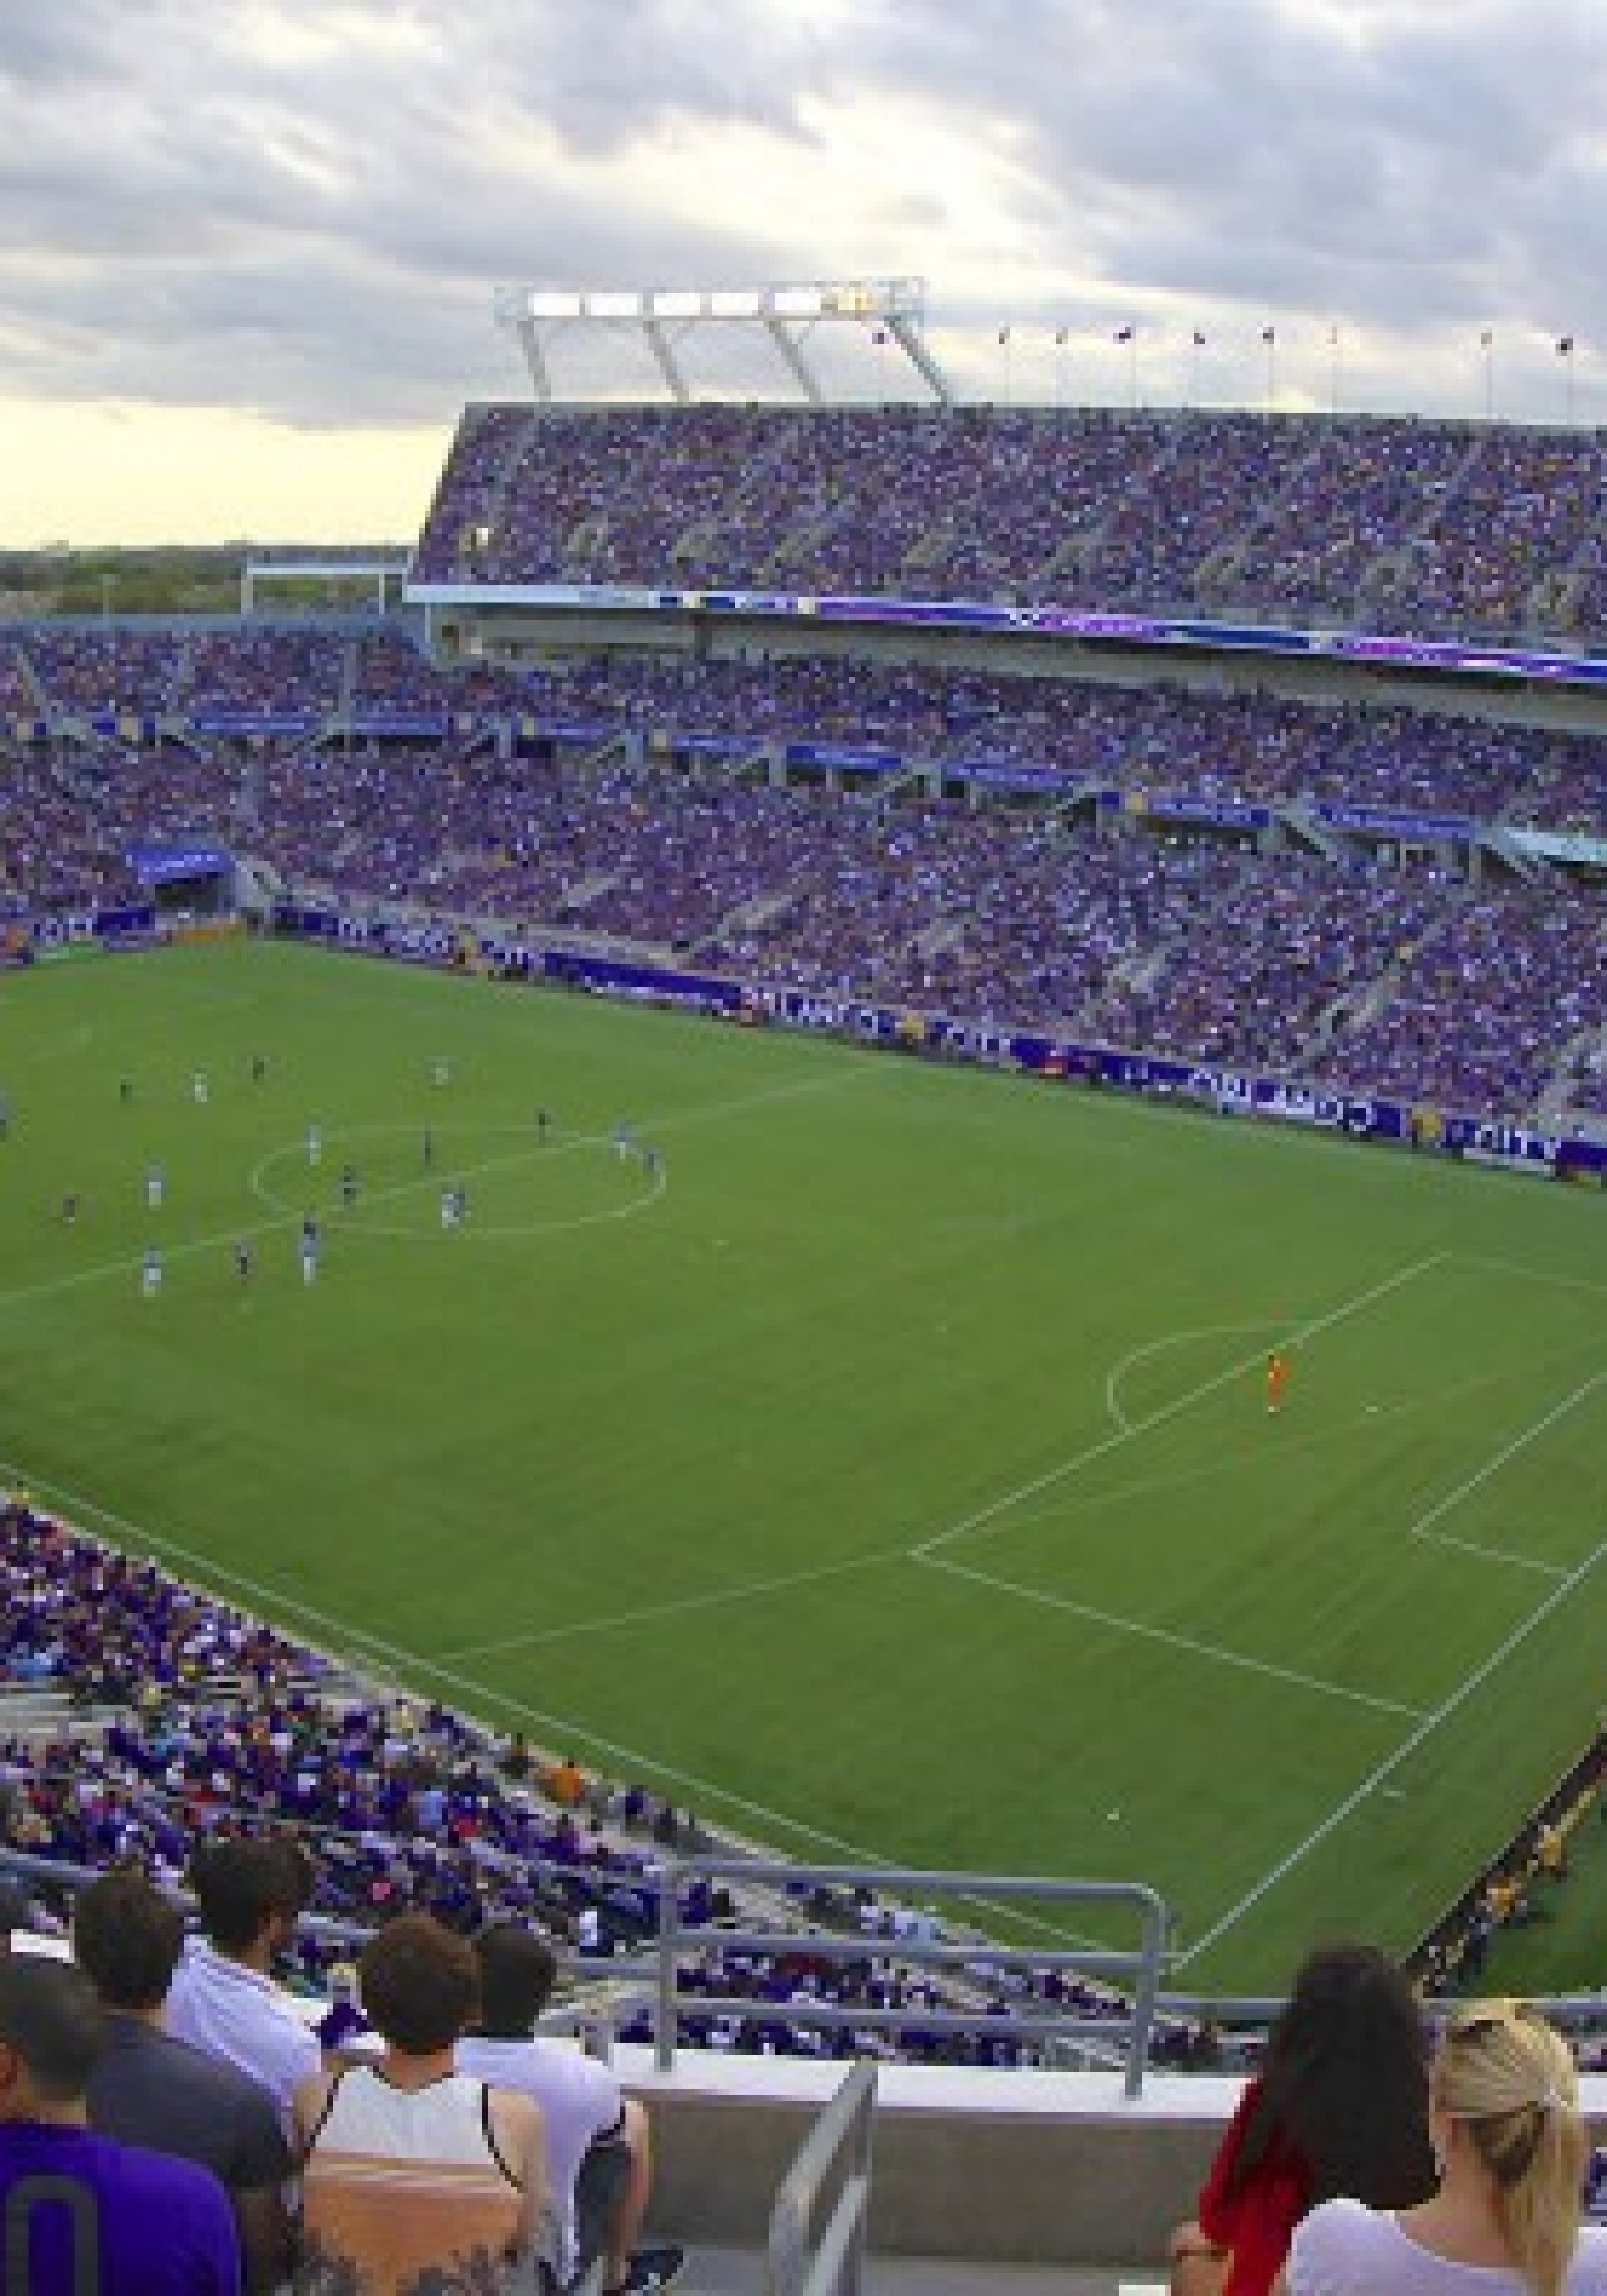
{"type": "Point", "coordinates": [892, 1479]}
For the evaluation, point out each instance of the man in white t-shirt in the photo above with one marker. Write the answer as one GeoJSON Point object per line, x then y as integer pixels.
{"type": "Point", "coordinates": [599, 2157]}
{"type": "Point", "coordinates": [251, 1890]}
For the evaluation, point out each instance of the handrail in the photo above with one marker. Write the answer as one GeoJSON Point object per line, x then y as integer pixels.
{"type": "Point", "coordinates": [842, 2133]}
{"type": "Point", "coordinates": [1141, 1968]}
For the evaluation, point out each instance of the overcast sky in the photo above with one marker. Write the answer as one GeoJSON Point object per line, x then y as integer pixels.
{"type": "Point", "coordinates": [248, 248]}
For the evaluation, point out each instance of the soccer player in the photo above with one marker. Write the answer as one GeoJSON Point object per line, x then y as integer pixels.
{"type": "Point", "coordinates": [156, 1185]}
{"type": "Point", "coordinates": [125, 1091]}
{"type": "Point", "coordinates": [70, 1208]}
{"type": "Point", "coordinates": [428, 1147]}
{"type": "Point", "coordinates": [652, 1163]}
{"type": "Point", "coordinates": [198, 1087]}
{"type": "Point", "coordinates": [443, 1074]}
{"type": "Point", "coordinates": [544, 1125]}
{"type": "Point", "coordinates": [309, 1250]}
{"type": "Point", "coordinates": [624, 1136]}
{"type": "Point", "coordinates": [259, 1068]}
{"type": "Point", "coordinates": [5, 1115]}
{"type": "Point", "coordinates": [1277, 1380]}
{"type": "Point", "coordinates": [242, 1260]}
{"type": "Point", "coordinates": [314, 1145]}
{"type": "Point", "coordinates": [448, 1209]}
{"type": "Point", "coordinates": [349, 1187]}
{"type": "Point", "coordinates": [151, 1272]}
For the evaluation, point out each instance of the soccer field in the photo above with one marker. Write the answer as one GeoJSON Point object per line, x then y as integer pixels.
{"type": "Point", "coordinates": [889, 1477]}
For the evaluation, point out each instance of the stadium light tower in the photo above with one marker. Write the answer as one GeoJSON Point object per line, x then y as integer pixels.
{"type": "Point", "coordinates": [891, 311]}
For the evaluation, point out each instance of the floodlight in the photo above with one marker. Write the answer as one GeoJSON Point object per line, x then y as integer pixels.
{"type": "Point", "coordinates": [788, 313]}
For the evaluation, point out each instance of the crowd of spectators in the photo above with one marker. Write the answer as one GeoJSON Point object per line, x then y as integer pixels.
{"type": "Point", "coordinates": [1480, 1010]}
{"type": "Point", "coordinates": [818, 852]}
{"type": "Point", "coordinates": [1435, 527]}
{"type": "Point", "coordinates": [188, 1717]}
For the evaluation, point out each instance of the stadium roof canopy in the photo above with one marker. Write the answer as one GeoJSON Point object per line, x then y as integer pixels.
{"type": "Point", "coordinates": [784, 321]}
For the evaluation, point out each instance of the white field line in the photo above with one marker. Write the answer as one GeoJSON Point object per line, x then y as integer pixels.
{"type": "Point", "coordinates": [1382, 1772]}
{"type": "Point", "coordinates": [755, 1589]}
{"type": "Point", "coordinates": [984, 1519]}
{"type": "Point", "coordinates": [1135, 1356]}
{"type": "Point", "coordinates": [1216, 1653]}
{"type": "Point", "coordinates": [1126, 1493]}
{"type": "Point", "coordinates": [680, 1606]}
{"type": "Point", "coordinates": [1375, 1419]}
{"type": "Point", "coordinates": [189, 1247]}
{"type": "Point", "coordinates": [1530, 1275]}
{"type": "Point", "coordinates": [399, 1663]}
{"type": "Point", "coordinates": [1423, 1529]}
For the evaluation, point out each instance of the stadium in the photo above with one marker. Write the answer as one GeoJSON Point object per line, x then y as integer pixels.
{"type": "Point", "coordinates": [831, 1211]}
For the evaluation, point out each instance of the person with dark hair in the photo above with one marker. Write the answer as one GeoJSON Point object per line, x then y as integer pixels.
{"type": "Point", "coordinates": [598, 2147]}
{"type": "Point", "coordinates": [411, 2168]}
{"type": "Point", "coordinates": [149, 2089]}
{"type": "Point", "coordinates": [1511, 2148]}
{"type": "Point", "coordinates": [1340, 2107]}
{"type": "Point", "coordinates": [81, 2211]}
{"type": "Point", "coordinates": [251, 1890]}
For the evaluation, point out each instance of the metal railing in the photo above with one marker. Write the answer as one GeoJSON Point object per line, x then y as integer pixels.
{"type": "Point", "coordinates": [841, 2137]}
{"type": "Point", "coordinates": [655, 1978]}
{"type": "Point", "coordinates": [1138, 1968]}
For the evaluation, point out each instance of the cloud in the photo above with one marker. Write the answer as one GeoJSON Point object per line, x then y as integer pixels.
{"type": "Point", "coordinates": [305, 211]}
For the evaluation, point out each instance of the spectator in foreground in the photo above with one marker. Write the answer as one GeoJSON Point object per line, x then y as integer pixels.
{"type": "Point", "coordinates": [1512, 2148]}
{"type": "Point", "coordinates": [411, 2168]}
{"type": "Point", "coordinates": [251, 1890]}
{"type": "Point", "coordinates": [598, 2149]}
{"type": "Point", "coordinates": [111, 2218]}
{"type": "Point", "coordinates": [1340, 2107]}
{"type": "Point", "coordinates": [150, 2089]}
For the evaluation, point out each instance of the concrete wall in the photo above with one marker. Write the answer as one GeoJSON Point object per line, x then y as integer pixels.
{"type": "Point", "coordinates": [1051, 2168]}
{"type": "Point", "coordinates": [1002, 2167]}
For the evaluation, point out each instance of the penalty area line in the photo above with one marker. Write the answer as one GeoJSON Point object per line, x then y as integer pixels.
{"type": "Point", "coordinates": [1423, 1529]}
{"type": "Point", "coordinates": [1382, 1773]}
{"type": "Point", "coordinates": [1215, 1652]}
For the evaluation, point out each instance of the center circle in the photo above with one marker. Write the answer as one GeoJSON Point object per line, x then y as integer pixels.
{"type": "Point", "coordinates": [426, 1183]}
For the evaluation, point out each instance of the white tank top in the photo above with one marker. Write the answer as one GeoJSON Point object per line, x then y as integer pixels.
{"type": "Point", "coordinates": [448, 2122]}
{"type": "Point", "coordinates": [399, 2184]}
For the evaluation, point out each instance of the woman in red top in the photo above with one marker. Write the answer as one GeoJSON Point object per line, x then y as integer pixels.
{"type": "Point", "coordinates": [1340, 2109]}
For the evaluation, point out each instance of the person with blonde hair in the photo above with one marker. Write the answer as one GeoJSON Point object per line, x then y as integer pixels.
{"type": "Point", "coordinates": [1511, 2148]}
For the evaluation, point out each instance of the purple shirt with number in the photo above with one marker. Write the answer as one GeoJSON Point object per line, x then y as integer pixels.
{"type": "Point", "coordinates": [81, 2216]}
